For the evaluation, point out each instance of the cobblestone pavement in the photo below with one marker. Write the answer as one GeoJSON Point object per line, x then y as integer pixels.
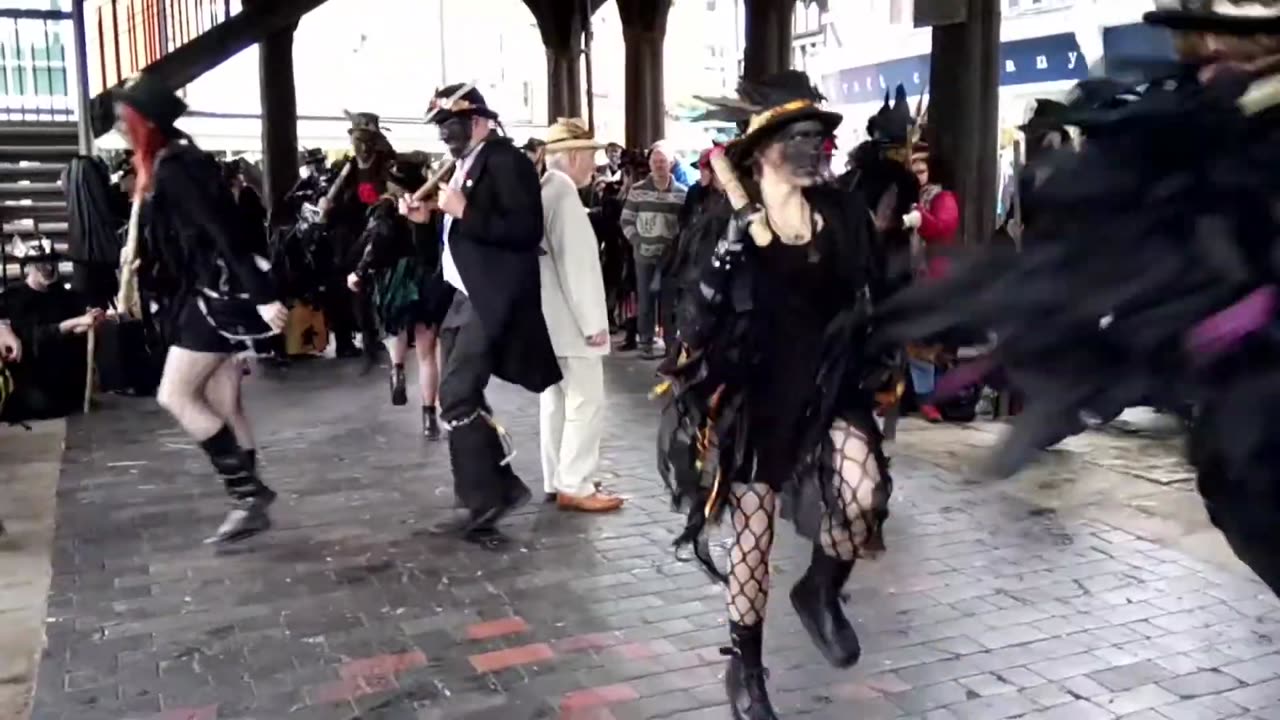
{"type": "Point", "coordinates": [989, 604]}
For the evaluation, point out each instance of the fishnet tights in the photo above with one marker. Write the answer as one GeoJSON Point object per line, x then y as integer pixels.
{"type": "Point", "coordinates": [852, 529]}
{"type": "Point", "coordinates": [751, 508]}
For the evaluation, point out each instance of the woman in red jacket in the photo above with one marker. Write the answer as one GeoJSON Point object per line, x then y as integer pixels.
{"type": "Point", "coordinates": [935, 221]}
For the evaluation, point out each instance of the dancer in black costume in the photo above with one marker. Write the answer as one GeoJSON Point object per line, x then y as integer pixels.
{"type": "Point", "coordinates": [491, 226]}
{"type": "Point", "coordinates": [1151, 271]}
{"type": "Point", "coordinates": [770, 397]}
{"type": "Point", "coordinates": [401, 265]}
{"type": "Point", "coordinates": [223, 295]}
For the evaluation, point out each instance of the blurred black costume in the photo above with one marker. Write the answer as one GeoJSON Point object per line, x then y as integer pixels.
{"type": "Point", "coordinates": [769, 397]}
{"type": "Point", "coordinates": [880, 172]}
{"type": "Point", "coordinates": [1150, 275]}
{"type": "Point", "coordinates": [97, 213]}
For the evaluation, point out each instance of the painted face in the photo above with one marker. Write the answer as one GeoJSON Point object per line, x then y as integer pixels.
{"type": "Point", "coordinates": [797, 150]}
{"type": "Point", "coordinates": [455, 133]}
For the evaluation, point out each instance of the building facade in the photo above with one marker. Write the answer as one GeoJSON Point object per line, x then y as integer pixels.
{"type": "Point", "coordinates": [1046, 47]}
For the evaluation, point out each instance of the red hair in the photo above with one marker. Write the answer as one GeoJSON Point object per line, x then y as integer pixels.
{"type": "Point", "coordinates": [147, 141]}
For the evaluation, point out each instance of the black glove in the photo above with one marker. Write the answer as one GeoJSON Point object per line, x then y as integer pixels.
{"type": "Point", "coordinates": [714, 283]}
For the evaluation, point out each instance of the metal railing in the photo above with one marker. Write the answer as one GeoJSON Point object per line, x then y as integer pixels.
{"type": "Point", "coordinates": [125, 36]}
{"type": "Point", "coordinates": [36, 80]}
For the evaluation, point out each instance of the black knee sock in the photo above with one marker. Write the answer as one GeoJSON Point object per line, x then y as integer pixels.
{"type": "Point", "coordinates": [221, 444]}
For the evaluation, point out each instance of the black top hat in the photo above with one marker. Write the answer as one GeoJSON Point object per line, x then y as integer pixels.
{"type": "Point", "coordinates": [364, 122]}
{"type": "Point", "coordinates": [1047, 115]}
{"type": "Point", "coordinates": [151, 99]}
{"type": "Point", "coordinates": [312, 156]}
{"type": "Point", "coordinates": [1230, 17]}
{"type": "Point", "coordinates": [450, 102]}
{"type": "Point", "coordinates": [407, 176]}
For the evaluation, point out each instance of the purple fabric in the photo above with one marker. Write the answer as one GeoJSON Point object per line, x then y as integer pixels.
{"type": "Point", "coordinates": [963, 377]}
{"type": "Point", "coordinates": [1223, 331]}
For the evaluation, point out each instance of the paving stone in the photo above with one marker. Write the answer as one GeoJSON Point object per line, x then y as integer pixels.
{"type": "Point", "coordinates": [982, 609]}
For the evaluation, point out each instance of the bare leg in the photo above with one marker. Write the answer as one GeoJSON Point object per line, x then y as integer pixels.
{"type": "Point", "coordinates": [398, 347]}
{"type": "Point", "coordinates": [223, 393]}
{"type": "Point", "coordinates": [182, 390]}
{"type": "Point", "coordinates": [428, 363]}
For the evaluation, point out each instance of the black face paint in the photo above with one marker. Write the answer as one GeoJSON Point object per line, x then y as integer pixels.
{"type": "Point", "coordinates": [455, 133]}
{"type": "Point", "coordinates": [802, 148]}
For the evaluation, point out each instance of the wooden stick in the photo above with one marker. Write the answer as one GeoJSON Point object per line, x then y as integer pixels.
{"type": "Point", "coordinates": [738, 197]}
{"type": "Point", "coordinates": [437, 178]}
{"type": "Point", "coordinates": [128, 301]}
{"type": "Point", "coordinates": [91, 342]}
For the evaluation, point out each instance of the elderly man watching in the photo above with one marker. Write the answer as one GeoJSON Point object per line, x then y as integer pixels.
{"type": "Point", "coordinates": [573, 301]}
{"type": "Point", "coordinates": [651, 223]}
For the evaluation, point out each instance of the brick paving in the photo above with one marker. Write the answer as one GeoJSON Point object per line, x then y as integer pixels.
{"type": "Point", "coordinates": [987, 606]}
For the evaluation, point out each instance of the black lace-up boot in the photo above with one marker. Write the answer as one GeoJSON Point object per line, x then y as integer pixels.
{"type": "Point", "coordinates": [744, 679]}
{"type": "Point", "coordinates": [816, 598]}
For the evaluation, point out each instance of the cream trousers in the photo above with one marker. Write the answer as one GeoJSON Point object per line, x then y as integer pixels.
{"type": "Point", "coordinates": [572, 423]}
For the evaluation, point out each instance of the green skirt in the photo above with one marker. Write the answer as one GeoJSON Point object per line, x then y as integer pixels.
{"type": "Point", "coordinates": [403, 296]}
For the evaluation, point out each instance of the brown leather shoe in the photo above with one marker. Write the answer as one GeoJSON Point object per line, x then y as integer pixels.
{"type": "Point", "coordinates": [593, 503]}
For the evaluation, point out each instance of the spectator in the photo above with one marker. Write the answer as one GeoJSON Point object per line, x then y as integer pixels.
{"type": "Point", "coordinates": [651, 222]}
{"type": "Point", "coordinates": [47, 353]}
{"type": "Point", "coordinates": [935, 221]}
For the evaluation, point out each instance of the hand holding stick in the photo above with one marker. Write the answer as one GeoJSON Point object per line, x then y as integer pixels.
{"type": "Point", "coordinates": [738, 198]}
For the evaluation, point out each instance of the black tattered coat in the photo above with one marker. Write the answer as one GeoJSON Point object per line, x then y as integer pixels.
{"type": "Point", "coordinates": [495, 246]}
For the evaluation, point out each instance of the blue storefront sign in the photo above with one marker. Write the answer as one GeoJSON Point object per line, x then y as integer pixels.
{"type": "Point", "coordinates": [1034, 60]}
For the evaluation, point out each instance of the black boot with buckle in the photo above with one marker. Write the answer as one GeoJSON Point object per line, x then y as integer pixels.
{"type": "Point", "coordinates": [816, 599]}
{"type": "Point", "coordinates": [250, 498]}
{"type": "Point", "coordinates": [744, 679]}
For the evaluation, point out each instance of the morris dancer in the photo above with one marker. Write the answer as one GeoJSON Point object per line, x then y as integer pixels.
{"type": "Point", "coordinates": [401, 260]}
{"type": "Point", "coordinates": [224, 299]}
{"type": "Point", "coordinates": [772, 395]}
{"type": "Point", "coordinates": [492, 229]}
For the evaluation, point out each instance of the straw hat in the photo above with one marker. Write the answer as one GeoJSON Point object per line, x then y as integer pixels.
{"type": "Point", "coordinates": [570, 134]}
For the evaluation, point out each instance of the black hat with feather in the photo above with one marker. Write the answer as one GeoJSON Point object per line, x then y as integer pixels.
{"type": "Point", "coordinates": [893, 123]}
{"type": "Point", "coordinates": [764, 107]}
{"type": "Point", "coordinates": [1228, 17]}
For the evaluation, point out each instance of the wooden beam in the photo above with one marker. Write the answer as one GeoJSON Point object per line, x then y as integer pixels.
{"type": "Point", "coordinates": [209, 50]}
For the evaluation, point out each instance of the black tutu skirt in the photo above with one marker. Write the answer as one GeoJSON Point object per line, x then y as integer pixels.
{"type": "Point", "coordinates": [404, 297]}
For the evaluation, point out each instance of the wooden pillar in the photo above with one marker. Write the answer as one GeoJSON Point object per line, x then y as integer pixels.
{"type": "Point", "coordinates": [768, 34]}
{"type": "Point", "coordinates": [279, 116]}
{"type": "Point", "coordinates": [964, 88]}
{"type": "Point", "coordinates": [564, 75]}
{"type": "Point", "coordinates": [644, 31]}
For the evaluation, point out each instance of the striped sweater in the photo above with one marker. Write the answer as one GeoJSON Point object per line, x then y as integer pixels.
{"type": "Point", "coordinates": [651, 218]}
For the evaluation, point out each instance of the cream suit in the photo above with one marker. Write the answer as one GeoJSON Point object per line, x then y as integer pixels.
{"type": "Point", "coordinates": [573, 301]}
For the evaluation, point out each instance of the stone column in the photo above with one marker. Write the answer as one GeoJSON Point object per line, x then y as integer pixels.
{"type": "Point", "coordinates": [644, 30]}
{"type": "Point", "coordinates": [279, 116]}
{"type": "Point", "coordinates": [964, 88]}
{"type": "Point", "coordinates": [768, 33]}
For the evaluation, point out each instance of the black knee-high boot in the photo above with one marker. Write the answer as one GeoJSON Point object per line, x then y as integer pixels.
{"type": "Point", "coordinates": [816, 598]}
{"type": "Point", "coordinates": [250, 498]}
{"type": "Point", "coordinates": [744, 680]}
